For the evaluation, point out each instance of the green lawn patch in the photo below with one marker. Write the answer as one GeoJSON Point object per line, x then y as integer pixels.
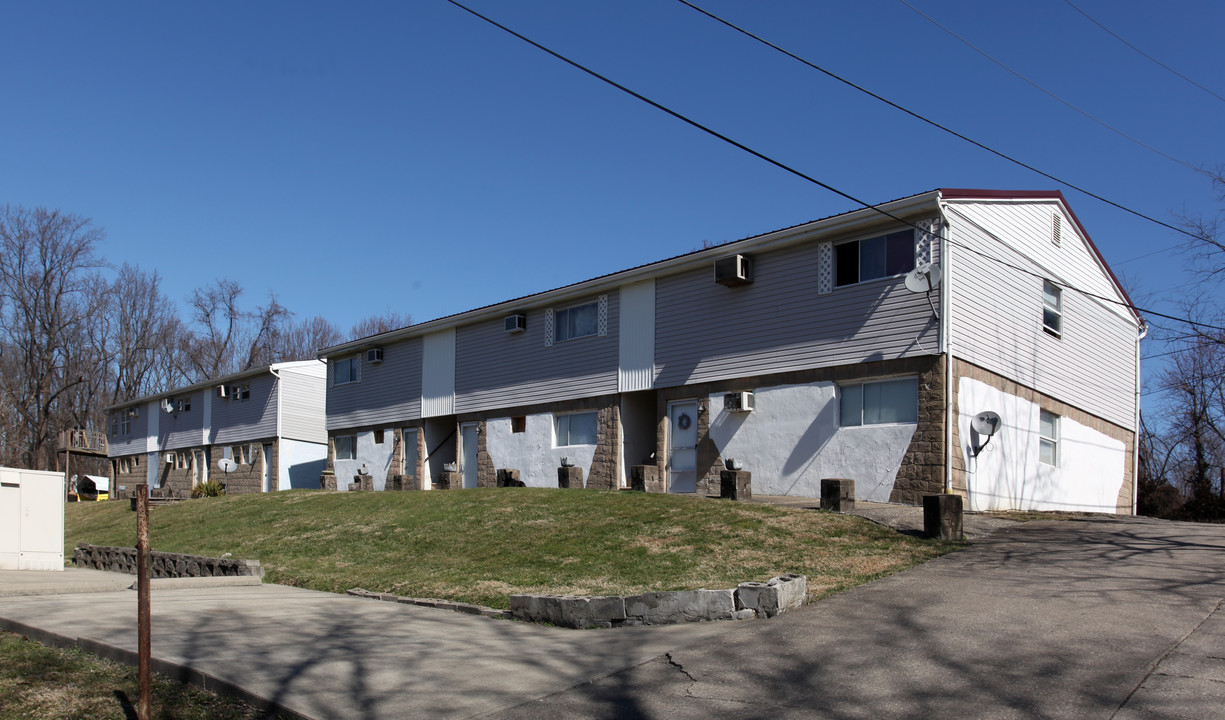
{"type": "Point", "coordinates": [39, 682]}
{"type": "Point", "coordinates": [482, 545]}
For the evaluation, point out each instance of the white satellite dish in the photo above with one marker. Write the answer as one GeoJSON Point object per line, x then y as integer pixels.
{"type": "Point", "coordinates": [985, 424]}
{"type": "Point", "coordinates": [923, 278]}
{"type": "Point", "coordinates": [227, 465]}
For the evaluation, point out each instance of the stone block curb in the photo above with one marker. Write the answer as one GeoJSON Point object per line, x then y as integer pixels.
{"type": "Point", "coordinates": [748, 601]}
{"type": "Point", "coordinates": [163, 564]}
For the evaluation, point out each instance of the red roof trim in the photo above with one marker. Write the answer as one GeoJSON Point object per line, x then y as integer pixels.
{"type": "Point", "coordinates": [973, 194]}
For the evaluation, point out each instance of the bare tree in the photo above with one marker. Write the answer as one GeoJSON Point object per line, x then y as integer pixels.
{"type": "Point", "coordinates": [46, 258]}
{"type": "Point", "coordinates": [376, 324]}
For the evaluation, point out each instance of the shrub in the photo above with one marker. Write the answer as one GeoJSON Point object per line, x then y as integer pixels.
{"type": "Point", "coordinates": [212, 488]}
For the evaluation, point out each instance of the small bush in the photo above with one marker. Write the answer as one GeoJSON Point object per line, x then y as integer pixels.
{"type": "Point", "coordinates": [212, 488]}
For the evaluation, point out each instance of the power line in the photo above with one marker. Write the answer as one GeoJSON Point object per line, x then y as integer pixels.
{"type": "Point", "coordinates": [1086, 113]}
{"type": "Point", "coordinates": [935, 124]}
{"type": "Point", "coordinates": [809, 178]}
{"type": "Point", "coordinates": [1118, 37]}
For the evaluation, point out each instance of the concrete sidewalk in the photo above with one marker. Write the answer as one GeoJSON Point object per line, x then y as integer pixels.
{"type": "Point", "coordinates": [1080, 618]}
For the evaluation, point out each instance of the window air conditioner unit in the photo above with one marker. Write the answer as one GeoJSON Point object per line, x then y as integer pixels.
{"type": "Point", "coordinates": [516, 323]}
{"type": "Point", "coordinates": [374, 356]}
{"type": "Point", "coordinates": [168, 405]}
{"type": "Point", "coordinates": [134, 412]}
{"type": "Point", "coordinates": [734, 270]}
{"type": "Point", "coordinates": [223, 391]}
{"type": "Point", "coordinates": [738, 402]}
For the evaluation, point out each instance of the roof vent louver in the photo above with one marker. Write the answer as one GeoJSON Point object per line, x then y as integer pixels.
{"type": "Point", "coordinates": [734, 270]}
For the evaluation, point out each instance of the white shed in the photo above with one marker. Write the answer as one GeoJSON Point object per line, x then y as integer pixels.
{"type": "Point", "coordinates": [31, 520]}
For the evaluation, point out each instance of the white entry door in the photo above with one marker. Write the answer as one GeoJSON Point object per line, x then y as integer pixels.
{"type": "Point", "coordinates": [682, 446]}
{"type": "Point", "coordinates": [467, 438]}
{"type": "Point", "coordinates": [269, 485]}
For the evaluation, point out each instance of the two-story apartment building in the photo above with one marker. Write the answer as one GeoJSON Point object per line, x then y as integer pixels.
{"type": "Point", "coordinates": [858, 346]}
{"type": "Point", "coordinates": [268, 421]}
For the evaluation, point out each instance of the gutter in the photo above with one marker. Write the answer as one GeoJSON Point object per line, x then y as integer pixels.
{"type": "Point", "coordinates": [946, 342]}
{"type": "Point", "coordinates": [1135, 440]}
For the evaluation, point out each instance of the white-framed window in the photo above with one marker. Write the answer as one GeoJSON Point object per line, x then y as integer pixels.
{"type": "Point", "coordinates": [240, 392]}
{"type": "Point", "coordinates": [240, 454]}
{"type": "Point", "coordinates": [182, 461]}
{"type": "Point", "coordinates": [577, 321]}
{"type": "Point", "coordinates": [1052, 308]}
{"type": "Point", "coordinates": [879, 402]}
{"type": "Point", "coordinates": [344, 370]}
{"type": "Point", "coordinates": [183, 404]}
{"type": "Point", "coordinates": [1048, 438]}
{"type": "Point", "coordinates": [408, 451]}
{"type": "Point", "coordinates": [580, 428]}
{"type": "Point", "coordinates": [882, 256]}
{"type": "Point", "coordinates": [346, 447]}
{"type": "Point", "coordinates": [121, 423]}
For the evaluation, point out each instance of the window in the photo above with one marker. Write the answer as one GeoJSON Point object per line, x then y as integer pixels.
{"type": "Point", "coordinates": [577, 321]}
{"type": "Point", "coordinates": [121, 423]}
{"type": "Point", "coordinates": [346, 447]}
{"type": "Point", "coordinates": [518, 424]}
{"type": "Point", "coordinates": [241, 454]}
{"type": "Point", "coordinates": [241, 392]}
{"type": "Point", "coordinates": [408, 460]}
{"type": "Point", "coordinates": [877, 257]}
{"type": "Point", "coordinates": [1052, 308]}
{"type": "Point", "coordinates": [1048, 438]}
{"type": "Point", "coordinates": [378, 437]}
{"type": "Point", "coordinates": [577, 429]}
{"type": "Point", "coordinates": [345, 371]}
{"type": "Point", "coordinates": [878, 403]}
{"type": "Point", "coordinates": [183, 404]}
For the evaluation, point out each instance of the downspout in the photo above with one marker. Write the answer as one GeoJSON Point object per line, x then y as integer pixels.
{"type": "Point", "coordinates": [946, 343]}
{"type": "Point", "coordinates": [1135, 440]}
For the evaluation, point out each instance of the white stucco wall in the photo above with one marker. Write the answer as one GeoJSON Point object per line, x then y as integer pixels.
{"type": "Point", "coordinates": [1008, 475]}
{"type": "Point", "coordinates": [376, 458]}
{"type": "Point", "coordinates": [301, 463]}
{"type": "Point", "coordinates": [531, 452]}
{"type": "Point", "coordinates": [792, 440]}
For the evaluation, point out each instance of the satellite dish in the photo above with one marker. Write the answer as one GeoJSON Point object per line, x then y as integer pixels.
{"type": "Point", "coordinates": [986, 423]}
{"type": "Point", "coordinates": [227, 465]}
{"type": "Point", "coordinates": [923, 278]}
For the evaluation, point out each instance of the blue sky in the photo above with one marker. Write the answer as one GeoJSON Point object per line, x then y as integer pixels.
{"type": "Point", "coordinates": [355, 158]}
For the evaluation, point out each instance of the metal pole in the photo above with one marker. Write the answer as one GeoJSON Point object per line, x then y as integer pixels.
{"type": "Point", "coordinates": [144, 708]}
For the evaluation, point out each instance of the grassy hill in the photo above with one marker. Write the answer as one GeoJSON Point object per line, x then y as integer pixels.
{"type": "Point", "coordinates": [482, 545]}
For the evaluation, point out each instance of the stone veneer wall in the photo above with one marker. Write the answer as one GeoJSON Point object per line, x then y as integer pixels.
{"type": "Point", "coordinates": [246, 478]}
{"type": "Point", "coordinates": [138, 475]}
{"type": "Point", "coordinates": [162, 564]}
{"type": "Point", "coordinates": [962, 369]}
{"type": "Point", "coordinates": [922, 469]}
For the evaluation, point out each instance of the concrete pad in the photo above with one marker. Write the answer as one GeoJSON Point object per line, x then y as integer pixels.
{"type": "Point", "coordinates": [53, 582]}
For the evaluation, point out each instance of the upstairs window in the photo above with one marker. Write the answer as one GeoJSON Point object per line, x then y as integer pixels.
{"type": "Point", "coordinates": [577, 321]}
{"type": "Point", "coordinates": [577, 429]}
{"type": "Point", "coordinates": [121, 423]}
{"type": "Point", "coordinates": [879, 403]}
{"type": "Point", "coordinates": [878, 257]}
{"type": "Point", "coordinates": [1048, 438]}
{"type": "Point", "coordinates": [1052, 308]}
{"type": "Point", "coordinates": [344, 370]}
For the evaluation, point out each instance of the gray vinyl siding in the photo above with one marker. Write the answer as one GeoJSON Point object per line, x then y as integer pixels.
{"type": "Point", "coordinates": [996, 323]}
{"type": "Point", "coordinates": [386, 392]}
{"type": "Point", "coordinates": [184, 429]}
{"type": "Point", "coordinates": [494, 369]}
{"type": "Point", "coordinates": [705, 332]}
{"type": "Point", "coordinates": [136, 441]}
{"type": "Point", "coordinates": [302, 406]}
{"type": "Point", "coordinates": [250, 419]}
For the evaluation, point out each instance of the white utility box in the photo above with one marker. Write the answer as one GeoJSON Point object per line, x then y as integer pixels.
{"type": "Point", "coordinates": [31, 520]}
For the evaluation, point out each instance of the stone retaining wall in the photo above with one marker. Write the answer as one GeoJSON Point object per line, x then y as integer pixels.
{"type": "Point", "coordinates": [162, 564]}
{"type": "Point", "coordinates": [749, 600]}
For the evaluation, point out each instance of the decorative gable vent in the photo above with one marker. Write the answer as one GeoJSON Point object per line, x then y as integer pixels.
{"type": "Point", "coordinates": [1056, 228]}
{"type": "Point", "coordinates": [374, 356]}
{"type": "Point", "coordinates": [516, 323]}
{"type": "Point", "coordinates": [734, 270]}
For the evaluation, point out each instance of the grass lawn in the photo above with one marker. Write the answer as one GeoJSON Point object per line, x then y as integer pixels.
{"type": "Point", "coordinates": [482, 545]}
{"type": "Point", "coordinates": [38, 682]}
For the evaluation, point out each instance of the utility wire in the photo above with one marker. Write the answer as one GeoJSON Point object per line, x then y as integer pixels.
{"type": "Point", "coordinates": [809, 178]}
{"type": "Point", "coordinates": [1095, 119]}
{"type": "Point", "coordinates": [935, 124]}
{"type": "Point", "coordinates": [1116, 36]}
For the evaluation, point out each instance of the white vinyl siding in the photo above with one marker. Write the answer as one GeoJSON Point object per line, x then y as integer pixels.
{"type": "Point", "coordinates": [996, 317]}
{"type": "Point", "coordinates": [636, 366]}
{"type": "Point", "coordinates": [302, 399]}
{"type": "Point", "coordinates": [438, 374]}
